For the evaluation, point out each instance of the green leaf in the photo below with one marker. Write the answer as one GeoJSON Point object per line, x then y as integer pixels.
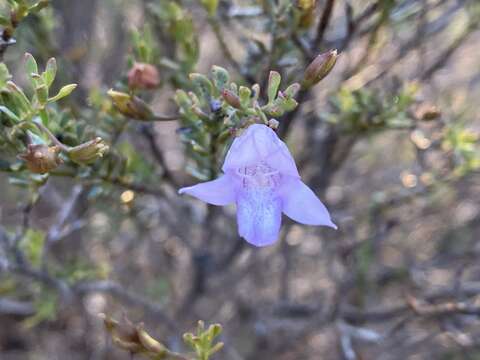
{"type": "Point", "coordinates": [50, 72]}
{"type": "Point", "coordinates": [4, 75]}
{"type": "Point", "coordinates": [244, 94]}
{"type": "Point", "coordinates": [220, 77]}
{"type": "Point", "coordinates": [64, 91]}
{"type": "Point", "coordinates": [30, 65]}
{"type": "Point", "coordinates": [4, 21]}
{"type": "Point", "coordinates": [273, 83]}
{"type": "Point", "coordinates": [20, 97]}
{"type": "Point", "coordinates": [292, 90]}
{"type": "Point", "coordinates": [32, 245]}
{"type": "Point", "coordinates": [9, 113]}
{"type": "Point", "coordinates": [203, 86]}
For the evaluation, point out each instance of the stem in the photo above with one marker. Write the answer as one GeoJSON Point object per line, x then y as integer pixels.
{"type": "Point", "coordinates": [52, 137]}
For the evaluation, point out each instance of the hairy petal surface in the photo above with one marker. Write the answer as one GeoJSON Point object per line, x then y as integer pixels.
{"type": "Point", "coordinates": [259, 144]}
{"type": "Point", "coordinates": [301, 204]}
{"type": "Point", "coordinates": [217, 192]}
{"type": "Point", "coordinates": [259, 216]}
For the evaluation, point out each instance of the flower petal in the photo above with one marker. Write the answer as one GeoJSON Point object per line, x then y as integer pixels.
{"type": "Point", "coordinates": [259, 216]}
{"type": "Point", "coordinates": [301, 204]}
{"type": "Point", "coordinates": [257, 144]}
{"type": "Point", "coordinates": [217, 192]}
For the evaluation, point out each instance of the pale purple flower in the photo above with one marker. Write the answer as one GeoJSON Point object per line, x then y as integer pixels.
{"type": "Point", "coordinates": [261, 178]}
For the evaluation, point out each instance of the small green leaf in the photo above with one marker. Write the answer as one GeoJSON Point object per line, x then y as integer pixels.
{"type": "Point", "coordinates": [32, 245]}
{"type": "Point", "coordinates": [292, 90]}
{"type": "Point", "coordinates": [220, 77]}
{"type": "Point", "coordinates": [64, 91]}
{"type": "Point", "coordinates": [4, 75]}
{"type": "Point", "coordinates": [203, 86]}
{"type": "Point", "coordinates": [244, 94]}
{"type": "Point", "coordinates": [4, 21]}
{"type": "Point", "coordinates": [9, 113]}
{"type": "Point", "coordinates": [30, 64]}
{"type": "Point", "coordinates": [19, 96]}
{"type": "Point", "coordinates": [50, 72]}
{"type": "Point", "coordinates": [273, 83]}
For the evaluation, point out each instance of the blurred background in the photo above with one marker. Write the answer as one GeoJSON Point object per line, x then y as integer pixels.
{"type": "Point", "coordinates": [389, 141]}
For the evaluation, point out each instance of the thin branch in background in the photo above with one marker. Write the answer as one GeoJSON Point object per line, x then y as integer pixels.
{"type": "Point", "coordinates": [148, 133]}
{"type": "Point", "coordinates": [323, 24]}
{"type": "Point", "coordinates": [443, 58]}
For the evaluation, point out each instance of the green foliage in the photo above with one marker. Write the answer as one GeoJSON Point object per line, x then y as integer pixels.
{"type": "Point", "coordinates": [464, 143]}
{"type": "Point", "coordinates": [46, 305]}
{"type": "Point", "coordinates": [29, 124]}
{"type": "Point", "coordinates": [366, 110]}
{"type": "Point", "coordinates": [32, 245]}
{"type": "Point", "coordinates": [203, 341]}
{"type": "Point", "coordinates": [216, 108]}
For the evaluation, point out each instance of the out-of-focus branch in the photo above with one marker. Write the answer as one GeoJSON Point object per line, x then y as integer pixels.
{"type": "Point", "coordinates": [127, 297]}
{"type": "Point", "coordinates": [148, 133]}
{"type": "Point", "coordinates": [14, 307]}
{"type": "Point", "coordinates": [323, 24]}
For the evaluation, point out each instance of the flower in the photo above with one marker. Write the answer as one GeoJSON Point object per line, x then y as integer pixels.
{"type": "Point", "coordinates": [261, 178]}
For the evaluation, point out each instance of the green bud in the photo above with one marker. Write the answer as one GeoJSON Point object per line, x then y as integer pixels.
{"type": "Point", "coordinates": [64, 91]}
{"type": "Point", "coordinates": [215, 330]}
{"type": "Point", "coordinates": [41, 158]}
{"type": "Point", "coordinates": [88, 152]}
{"type": "Point", "coordinates": [319, 68]}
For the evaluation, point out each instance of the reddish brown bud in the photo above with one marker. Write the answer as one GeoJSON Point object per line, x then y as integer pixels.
{"type": "Point", "coordinates": [143, 76]}
{"type": "Point", "coordinates": [41, 159]}
{"type": "Point", "coordinates": [231, 98]}
{"type": "Point", "coordinates": [319, 68]}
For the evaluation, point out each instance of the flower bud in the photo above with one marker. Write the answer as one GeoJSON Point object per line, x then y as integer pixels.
{"type": "Point", "coordinates": [41, 159]}
{"type": "Point", "coordinates": [131, 106]}
{"type": "Point", "coordinates": [143, 76]}
{"type": "Point", "coordinates": [319, 68]}
{"type": "Point", "coordinates": [231, 99]}
{"type": "Point", "coordinates": [88, 152]}
{"type": "Point", "coordinates": [273, 123]}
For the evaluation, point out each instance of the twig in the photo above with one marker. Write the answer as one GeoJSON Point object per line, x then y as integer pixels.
{"type": "Point", "coordinates": [323, 24]}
